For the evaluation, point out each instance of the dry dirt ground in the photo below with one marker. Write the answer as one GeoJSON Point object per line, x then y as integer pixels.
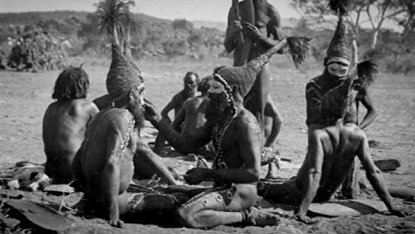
{"type": "Point", "coordinates": [25, 96]}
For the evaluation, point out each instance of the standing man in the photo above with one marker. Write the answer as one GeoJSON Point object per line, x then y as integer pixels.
{"type": "Point", "coordinates": [236, 138]}
{"type": "Point", "coordinates": [190, 82]}
{"type": "Point", "coordinates": [260, 26]}
{"type": "Point", "coordinates": [65, 121]}
{"type": "Point", "coordinates": [104, 164]}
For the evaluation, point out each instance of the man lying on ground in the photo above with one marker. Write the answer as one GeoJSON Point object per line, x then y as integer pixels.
{"type": "Point", "coordinates": [190, 82]}
{"type": "Point", "coordinates": [236, 138]}
{"type": "Point", "coordinates": [104, 164]}
{"type": "Point", "coordinates": [65, 121]}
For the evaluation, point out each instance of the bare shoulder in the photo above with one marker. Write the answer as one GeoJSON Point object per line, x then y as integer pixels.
{"type": "Point", "coordinates": [83, 106]}
{"type": "Point", "coordinates": [112, 118]}
{"type": "Point", "coordinates": [246, 121]}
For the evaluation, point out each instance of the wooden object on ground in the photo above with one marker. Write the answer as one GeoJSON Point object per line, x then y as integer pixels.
{"type": "Point", "coordinates": [403, 193]}
{"type": "Point", "coordinates": [346, 208]}
{"type": "Point", "coordinates": [40, 215]}
{"type": "Point", "coordinates": [386, 165]}
{"type": "Point", "coordinates": [59, 188]}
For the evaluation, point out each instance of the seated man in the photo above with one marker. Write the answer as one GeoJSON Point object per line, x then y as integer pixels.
{"type": "Point", "coordinates": [337, 62]}
{"type": "Point", "coordinates": [331, 152]}
{"type": "Point", "coordinates": [104, 164]}
{"type": "Point", "coordinates": [192, 115]}
{"type": "Point", "coordinates": [190, 82]}
{"type": "Point", "coordinates": [236, 138]}
{"type": "Point", "coordinates": [65, 121]}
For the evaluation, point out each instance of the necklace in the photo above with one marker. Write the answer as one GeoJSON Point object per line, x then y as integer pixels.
{"type": "Point", "coordinates": [126, 138]}
{"type": "Point", "coordinates": [218, 134]}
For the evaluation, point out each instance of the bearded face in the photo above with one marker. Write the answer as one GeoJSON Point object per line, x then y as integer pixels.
{"type": "Point", "coordinates": [136, 105]}
{"type": "Point", "coordinates": [218, 103]}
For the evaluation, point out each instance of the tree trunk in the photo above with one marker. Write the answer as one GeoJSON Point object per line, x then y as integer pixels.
{"type": "Point", "coordinates": [355, 50]}
{"type": "Point", "coordinates": [127, 42]}
{"type": "Point", "coordinates": [374, 39]}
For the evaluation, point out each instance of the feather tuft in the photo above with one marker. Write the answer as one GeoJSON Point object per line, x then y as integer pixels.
{"type": "Point", "coordinates": [298, 48]}
{"type": "Point", "coordinates": [340, 6]}
{"type": "Point", "coordinates": [366, 71]}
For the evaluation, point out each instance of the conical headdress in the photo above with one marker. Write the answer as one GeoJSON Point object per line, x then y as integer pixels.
{"type": "Point", "coordinates": [123, 75]}
{"type": "Point", "coordinates": [244, 77]}
{"type": "Point", "coordinates": [338, 50]}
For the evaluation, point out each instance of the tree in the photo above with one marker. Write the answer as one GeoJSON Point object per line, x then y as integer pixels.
{"type": "Point", "coordinates": [115, 19]}
{"type": "Point", "coordinates": [406, 20]}
{"type": "Point", "coordinates": [360, 11]}
{"type": "Point", "coordinates": [380, 10]}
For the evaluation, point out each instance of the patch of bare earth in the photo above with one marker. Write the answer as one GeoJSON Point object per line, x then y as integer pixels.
{"type": "Point", "coordinates": [25, 96]}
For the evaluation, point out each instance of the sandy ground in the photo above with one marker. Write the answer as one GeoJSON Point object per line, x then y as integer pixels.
{"type": "Point", "coordinates": [25, 96]}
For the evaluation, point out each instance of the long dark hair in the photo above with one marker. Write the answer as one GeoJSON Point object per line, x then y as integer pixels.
{"type": "Point", "coordinates": [72, 83]}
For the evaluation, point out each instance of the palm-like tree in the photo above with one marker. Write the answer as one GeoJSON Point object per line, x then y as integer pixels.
{"type": "Point", "coordinates": [114, 17]}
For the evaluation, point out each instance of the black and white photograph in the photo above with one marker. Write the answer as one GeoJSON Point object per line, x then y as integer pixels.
{"type": "Point", "coordinates": [207, 116]}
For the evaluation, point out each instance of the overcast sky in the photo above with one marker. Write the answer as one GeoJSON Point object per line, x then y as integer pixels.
{"type": "Point", "coordinates": [212, 10]}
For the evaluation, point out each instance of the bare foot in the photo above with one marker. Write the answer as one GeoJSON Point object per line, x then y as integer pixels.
{"type": "Point", "coordinates": [272, 171]}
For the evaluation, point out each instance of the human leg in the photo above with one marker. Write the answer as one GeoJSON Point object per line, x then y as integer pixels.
{"type": "Point", "coordinates": [222, 206]}
{"type": "Point", "coordinates": [279, 192]}
{"type": "Point", "coordinates": [271, 111]}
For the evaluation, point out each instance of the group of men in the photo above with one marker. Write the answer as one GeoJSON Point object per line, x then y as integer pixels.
{"type": "Point", "coordinates": [101, 149]}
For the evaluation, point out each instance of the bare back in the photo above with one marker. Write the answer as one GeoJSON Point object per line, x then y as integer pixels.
{"type": "Point", "coordinates": [340, 146]}
{"type": "Point", "coordinates": [195, 110]}
{"type": "Point", "coordinates": [64, 125]}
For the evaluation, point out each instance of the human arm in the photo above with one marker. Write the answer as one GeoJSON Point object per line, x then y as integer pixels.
{"type": "Point", "coordinates": [183, 143]}
{"type": "Point", "coordinates": [367, 102]}
{"type": "Point", "coordinates": [111, 177]}
{"type": "Point", "coordinates": [170, 106]}
{"type": "Point", "coordinates": [248, 141]}
{"type": "Point", "coordinates": [374, 175]}
{"type": "Point", "coordinates": [234, 27]}
{"type": "Point", "coordinates": [179, 119]}
{"type": "Point", "coordinates": [313, 102]}
{"type": "Point", "coordinates": [154, 162]}
{"type": "Point", "coordinates": [274, 33]}
{"type": "Point", "coordinates": [315, 156]}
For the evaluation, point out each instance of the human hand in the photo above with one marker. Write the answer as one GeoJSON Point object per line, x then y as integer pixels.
{"type": "Point", "coordinates": [196, 175]}
{"type": "Point", "coordinates": [399, 213]}
{"type": "Point", "coordinates": [304, 218]}
{"type": "Point", "coordinates": [251, 31]}
{"type": "Point", "coordinates": [150, 111]}
{"type": "Point", "coordinates": [235, 26]}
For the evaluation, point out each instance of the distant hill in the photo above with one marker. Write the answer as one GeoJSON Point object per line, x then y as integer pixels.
{"type": "Point", "coordinates": [25, 18]}
{"type": "Point", "coordinates": [288, 23]}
